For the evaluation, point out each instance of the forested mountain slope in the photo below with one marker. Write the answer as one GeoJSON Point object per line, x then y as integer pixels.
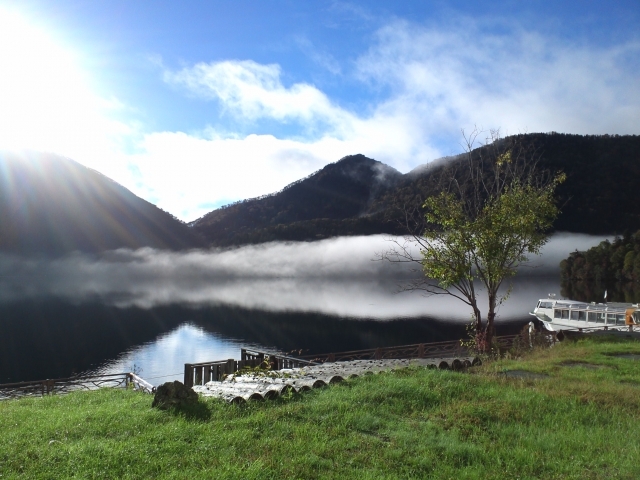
{"type": "Point", "coordinates": [53, 205]}
{"type": "Point", "coordinates": [601, 194]}
{"type": "Point", "coordinates": [359, 196]}
{"type": "Point", "coordinates": [330, 202]}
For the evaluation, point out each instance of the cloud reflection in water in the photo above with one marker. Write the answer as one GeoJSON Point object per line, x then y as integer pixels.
{"type": "Point", "coordinates": [336, 277]}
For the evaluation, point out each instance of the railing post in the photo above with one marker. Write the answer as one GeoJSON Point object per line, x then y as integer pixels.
{"type": "Point", "coordinates": [230, 366]}
{"type": "Point", "coordinates": [188, 375]}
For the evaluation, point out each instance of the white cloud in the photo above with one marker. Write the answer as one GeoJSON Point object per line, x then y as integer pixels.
{"type": "Point", "coordinates": [427, 82]}
{"type": "Point", "coordinates": [186, 174]}
{"type": "Point", "coordinates": [520, 80]}
{"type": "Point", "coordinates": [321, 58]}
{"type": "Point", "coordinates": [440, 79]}
{"type": "Point", "coordinates": [252, 91]}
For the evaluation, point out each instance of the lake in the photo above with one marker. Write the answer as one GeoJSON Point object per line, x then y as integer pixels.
{"type": "Point", "coordinates": [154, 311]}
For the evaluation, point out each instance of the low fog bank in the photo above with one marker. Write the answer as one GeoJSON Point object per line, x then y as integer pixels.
{"type": "Point", "coordinates": [337, 276]}
{"type": "Point", "coordinates": [557, 249]}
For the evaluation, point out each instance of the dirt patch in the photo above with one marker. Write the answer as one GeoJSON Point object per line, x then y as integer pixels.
{"type": "Point", "coordinates": [628, 356]}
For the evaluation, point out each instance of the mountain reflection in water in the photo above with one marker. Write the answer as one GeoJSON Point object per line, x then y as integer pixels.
{"type": "Point", "coordinates": [52, 339]}
{"type": "Point", "coordinates": [159, 310]}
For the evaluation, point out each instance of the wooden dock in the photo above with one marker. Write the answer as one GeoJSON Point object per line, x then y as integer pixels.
{"type": "Point", "coordinates": [217, 370]}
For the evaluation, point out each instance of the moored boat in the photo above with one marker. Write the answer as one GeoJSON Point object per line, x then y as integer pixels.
{"type": "Point", "coordinates": [571, 314]}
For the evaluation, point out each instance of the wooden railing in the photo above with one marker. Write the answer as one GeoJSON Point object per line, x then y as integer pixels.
{"type": "Point", "coordinates": [418, 350]}
{"type": "Point", "coordinates": [66, 385]}
{"type": "Point", "coordinates": [276, 361]}
{"type": "Point", "coordinates": [139, 383]}
{"type": "Point", "coordinates": [201, 373]}
{"type": "Point", "coordinates": [216, 370]}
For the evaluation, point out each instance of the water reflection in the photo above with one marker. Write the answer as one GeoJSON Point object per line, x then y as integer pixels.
{"type": "Point", "coordinates": [336, 277]}
{"type": "Point", "coordinates": [51, 338]}
{"type": "Point", "coordinates": [163, 359]}
{"type": "Point", "coordinates": [158, 310]}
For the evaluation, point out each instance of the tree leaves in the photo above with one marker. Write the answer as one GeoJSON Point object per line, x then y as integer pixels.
{"type": "Point", "coordinates": [493, 212]}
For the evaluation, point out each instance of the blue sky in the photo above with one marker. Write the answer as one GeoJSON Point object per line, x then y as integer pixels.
{"type": "Point", "coordinates": [193, 105]}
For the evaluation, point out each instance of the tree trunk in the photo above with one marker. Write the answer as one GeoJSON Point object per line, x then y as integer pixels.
{"type": "Point", "coordinates": [490, 329]}
{"type": "Point", "coordinates": [481, 344]}
{"type": "Point", "coordinates": [478, 318]}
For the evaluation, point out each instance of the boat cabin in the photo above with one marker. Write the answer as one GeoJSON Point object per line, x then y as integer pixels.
{"type": "Point", "coordinates": [558, 314]}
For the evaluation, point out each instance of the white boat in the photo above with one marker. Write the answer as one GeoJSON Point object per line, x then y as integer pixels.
{"type": "Point", "coordinates": [570, 314]}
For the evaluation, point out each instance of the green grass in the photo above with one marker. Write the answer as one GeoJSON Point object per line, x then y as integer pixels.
{"type": "Point", "coordinates": [580, 422]}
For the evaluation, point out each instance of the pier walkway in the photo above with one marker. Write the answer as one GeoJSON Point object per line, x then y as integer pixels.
{"type": "Point", "coordinates": [238, 388]}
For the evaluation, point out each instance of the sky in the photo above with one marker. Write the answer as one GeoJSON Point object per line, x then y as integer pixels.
{"type": "Point", "coordinates": [193, 105]}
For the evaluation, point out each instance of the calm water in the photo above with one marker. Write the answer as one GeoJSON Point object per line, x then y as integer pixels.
{"type": "Point", "coordinates": [154, 311]}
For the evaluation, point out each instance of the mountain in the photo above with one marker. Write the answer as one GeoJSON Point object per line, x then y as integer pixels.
{"type": "Point", "coordinates": [361, 196]}
{"type": "Point", "coordinates": [330, 202]}
{"type": "Point", "coordinates": [53, 205]}
{"type": "Point", "coordinates": [601, 193]}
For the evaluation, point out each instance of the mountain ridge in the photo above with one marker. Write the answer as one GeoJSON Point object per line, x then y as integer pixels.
{"type": "Point", "coordinates": [54, 205]}
{"type": "Point", "coordinates": [600, 170]}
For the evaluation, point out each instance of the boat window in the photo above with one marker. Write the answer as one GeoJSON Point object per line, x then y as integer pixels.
{"type": "Point", "coordinates": [636, 317]}
{"type": "Point", "coordinates": [546, 305]}
{"type": "Point", "coordinates": [578, 315]}
{"type": "Point", "coordinates": [565, 313]}
{"type": "Point", "coordinates": [620, 319]}
{"type": "Point", "coordinates": [600, 317]}
{"type": "Point", "coordinates": [557, 314]}
{"type": "Point", "coordinates": [591, 317]}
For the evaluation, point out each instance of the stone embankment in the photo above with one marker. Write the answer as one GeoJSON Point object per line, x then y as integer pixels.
{"type": "Point", "coordinates": [271, 384]}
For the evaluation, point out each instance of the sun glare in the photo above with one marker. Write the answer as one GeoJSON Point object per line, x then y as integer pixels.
{"type": "Point", "coordinates": [45, 98]}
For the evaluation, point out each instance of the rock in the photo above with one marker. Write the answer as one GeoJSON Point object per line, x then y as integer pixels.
{"type": "Point", "coordinates": [174, 395]}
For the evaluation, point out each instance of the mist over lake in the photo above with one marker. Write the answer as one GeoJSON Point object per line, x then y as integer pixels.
{"type": "Point", "coordinates": [159, 309]}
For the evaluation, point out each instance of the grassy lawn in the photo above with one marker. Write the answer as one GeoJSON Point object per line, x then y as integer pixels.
{"type": "Point", "coordinates": [579, 420]}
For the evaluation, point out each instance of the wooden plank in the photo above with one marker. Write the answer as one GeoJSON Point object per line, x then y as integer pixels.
{"type": "Point", "coordinates": [188, 375]}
